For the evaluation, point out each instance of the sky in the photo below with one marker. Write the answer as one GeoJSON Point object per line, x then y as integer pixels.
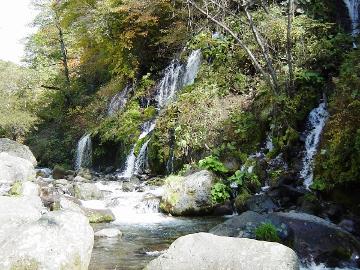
{"type": "Point", "coordinates": [15, 17]}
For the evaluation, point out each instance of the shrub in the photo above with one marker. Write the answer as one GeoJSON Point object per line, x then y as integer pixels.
{"type": "Point", "coordinates": [246, 180]}
{"type": "Point", "coordinates": [267, 232]}
{"type": "Point", "coordinates": [213, 164]}
{"type": "Point", "coordinates": [220, 193]}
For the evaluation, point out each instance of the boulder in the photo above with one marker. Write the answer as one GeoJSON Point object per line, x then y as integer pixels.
{"type": "Point", "coordinates": [59, 172]}
{"type": "Point", "coordinates": [81, 179]}
{"type": "Point", "coordinates": [261, 204]}
{"type": "Point", "coordinates": [84, 173]}
{"type": "Point", "coordinates": [66, 203]}
{"type": "Point", "coordinates": [190, 195]}
{"type": "Point", "coordinates": [87, 191]}
{"type": "Point", "coordinates": [24, 189]}
{"type": "Point", "coordinates": [313, 238]}
{"type": "Point", "coordinates": [109, 233]}
{"type": "Point", "coordinates": [203, 251]}
{"type": "Point", "coordinates": [58, 240]}
{"type": "Point", "coordinates": [16, 211]}
{"type": "Point", "coordinates": [17, 150]}
{"type": "Point", "coordinates": [15, 169]}
{"type": "Point", "coordinates": [99, 215]}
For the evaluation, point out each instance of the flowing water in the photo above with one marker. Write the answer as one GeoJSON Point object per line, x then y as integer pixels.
{"type": "Point", "coordinates": [175, 77]}
{"type": "Point", "coordinates": [118, 102]}
{"type": "Point", "coordinates": [146, 231]}
{"type": "Point", "coordinates": [84, 153]}
{"type": "Point", "coordinates": [132, 162]}
{"type": "Point", "coordinates": [315, 125]}
{"type": "Point", "coordinates": [353, 8]}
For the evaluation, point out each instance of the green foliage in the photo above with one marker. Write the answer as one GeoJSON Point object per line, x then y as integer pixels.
{"type": "Point", "coordinates": [213, 164]}
{"type": "Point", "coordinates": [245, 180]}
{"type": "Point", "coordinates": [338, 161]}
{"type": "Point", "coordinates": [220, 193]}
{"type": "Point", "coordinates": [267, 232]}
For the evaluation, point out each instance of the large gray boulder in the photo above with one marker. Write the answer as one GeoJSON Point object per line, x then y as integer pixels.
{"type": "Point", "coordinates": [190, 195]}
{"type": "Point", "coordinates": [58, 240]}
{"type": "Point", "coordinates": [15, 169]}
{"type": "Point", "coordinates": [16, 211]}
{"type": "Point", "coordinates": [18, 150]}
{"type": "Point", "coordinates": [87, 191]}
{"type": "Point", "coordinates": [203, 251]}
{"type": "Point", "coordinates": [313, 238]}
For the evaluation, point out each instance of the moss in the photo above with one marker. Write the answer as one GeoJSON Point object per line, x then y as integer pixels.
{"type": "Point", "coordinates": [240, 201]}
{"type": "Point", "coordinates": [100, 218]}
{"type": "Point", "coordinates": [25, 264]}
{"type": "Point", "coordinates": [267, 232]}
{"type": "Point", "coordinates": [16, 189]}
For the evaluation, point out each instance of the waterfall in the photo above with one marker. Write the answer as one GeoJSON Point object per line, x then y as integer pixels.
{"type": "Point", "coordinates": [169, 83]}
{"type": "Point", "coordinates": [118, 102]}
{"type": "Point", "coordinates": [315, 125]}
{"type": "Point", "coordinates": [192, 68]}
{"type": "Point", "coordinates": [84, 153]}
{"type": "Point", "coordinates": [176, 76]}
{"type": "Point", "coordinates": [141, 162]}
{"type": "Point", "coordinates": [132, 162]}
{"type": "Point", "coordinates": [353, 8]}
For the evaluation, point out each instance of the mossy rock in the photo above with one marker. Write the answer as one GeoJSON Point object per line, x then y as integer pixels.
{"type": "Point", "coordinates": [16, 189]}
{"type": "Point", "coordinates": [240, 201]}
{"type": "Point", "coordinates": [99, 215]}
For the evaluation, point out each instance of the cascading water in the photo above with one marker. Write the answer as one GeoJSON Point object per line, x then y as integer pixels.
{"type": "Point", "coordinates": [84, 153]}
{"type": "Point", "coordinates": [192, 68]}
{"type": "Point", "coordinates": [175, 77]}
{"type": "Point", "coordinates": [315, 125]}
{"type": "Point", "coordinates": [141, 161]}
{"type": "Point", "coordinates": [131, 161]}
{"type": "Point", "coordinates": [169, 83]}
{"type": "Point", "coordinates": [353, 8]}
{"type": "Point", "coordinates": [118, 102]}
{"type": "Point", "coordinates": [129, 207]}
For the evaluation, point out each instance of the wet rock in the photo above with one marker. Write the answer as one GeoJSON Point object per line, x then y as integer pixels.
{"type": "Point", "coordinates": [190, 195]}
{"type": "Point", "coordinates": [44, 172]}
{"type": "Point", "coordinates": [84, 173]}
{"type": "Point", "coordinates": [261, 204]}
{"type": "Point", "coordinates": [108, 233]}
{"type": "Point", "coordinates": [17, 150]}
{"type": "Point", "coordinates": [81, 179]}
{"type": "Point", "coordinates": [59, 172]}
{"type": "Point", "coordinates": [15, 169]}
{"type": "Point", "coordinates": [58, 240]}
{"type": "Point", "coordinates": [87, 191]}
{"type": "Point", "coordinates": [223, 209]}
{"type": "Point", "coordinates": [311, 237]}
{"type": "Point", "coordinates": [347, 225]}
{"type": "Point", "coordinates": [99, 215]}
{"type": "Point", "coordinates": [206, 251]}
{"type": "Point", "coordinates": [128, 187]}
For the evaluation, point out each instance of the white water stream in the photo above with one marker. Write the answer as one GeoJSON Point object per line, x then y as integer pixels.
{"type": "Point", "coordinates": [84, 153]}
{"type": "Point", "coordinates": [175, 77]}
{"type": "Point", "coordinates": [315, 125]}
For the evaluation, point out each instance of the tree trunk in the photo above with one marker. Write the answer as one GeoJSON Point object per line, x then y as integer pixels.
{"type": "Point", "coordinates": [289, 48]}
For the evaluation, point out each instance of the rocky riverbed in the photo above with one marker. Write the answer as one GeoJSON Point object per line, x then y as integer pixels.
{"type": "Point", "coordinates": [45, 218]}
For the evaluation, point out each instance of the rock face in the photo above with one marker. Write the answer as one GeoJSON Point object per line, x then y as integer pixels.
{"type": "Point", "coordinates": [17, 150]}
{"type": "Point", "coordinates": [204, 251]}
{"type": "Point", "coordinates": [190, 195]}
{"type": "Point", "coordinates": [15, 169]}
{"type": "Point", "coordinates": [310, 236]}
{"type": "Point", "coordinates": [58, 240]}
